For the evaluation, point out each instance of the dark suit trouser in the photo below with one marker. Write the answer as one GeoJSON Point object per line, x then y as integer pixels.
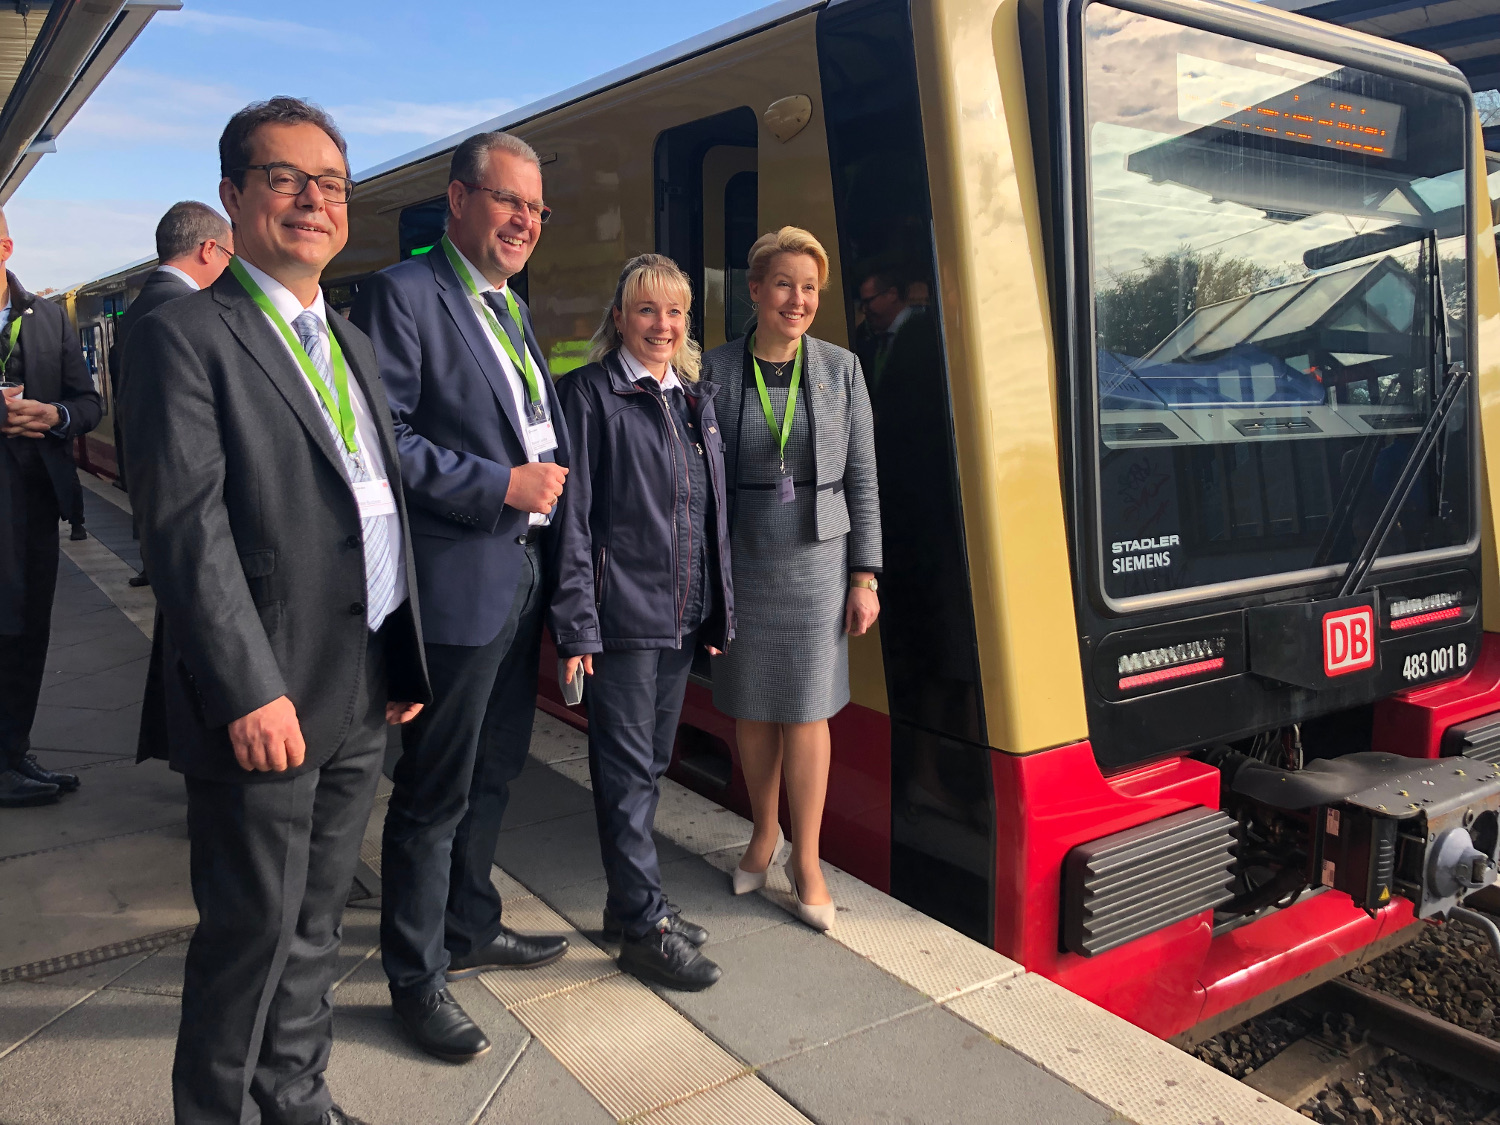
{"type": "Point", "coordinates": [272, 862]}
{"type": "Point", "coordinates": [452, 784]}
{"type": "Point", "coordinates": [634, 700]}
{"type": "Point", "coordinates": [25, 663]}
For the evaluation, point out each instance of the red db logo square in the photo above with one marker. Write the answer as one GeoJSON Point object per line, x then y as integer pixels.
{"type": "Point", "coordinates": [1348, 640]}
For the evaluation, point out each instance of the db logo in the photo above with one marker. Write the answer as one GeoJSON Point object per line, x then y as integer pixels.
{"type": "Point", "coordinates": [1348, 640]}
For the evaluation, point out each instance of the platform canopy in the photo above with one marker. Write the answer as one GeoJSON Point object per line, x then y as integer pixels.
{"type": "Point", "coordinates": [1465, 32]}
{"type": "Point", "coordinates": [53, 55]}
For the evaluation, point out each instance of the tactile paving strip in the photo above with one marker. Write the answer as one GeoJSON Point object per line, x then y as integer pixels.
{"type": "Point", "coordinates": [552, 740]}
{"type": "Point", "coordinates": [1131, 1071]}
{"type": "Point", "coordinates": [744, 1101]}
{"type": "Point", "coordinates": [628, 1047]}
{"type": "Point", "coordinates": [582, 964]}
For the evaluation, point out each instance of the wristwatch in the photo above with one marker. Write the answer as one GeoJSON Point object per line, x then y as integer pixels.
{"type": "Point", "coordinates": [870, 584]}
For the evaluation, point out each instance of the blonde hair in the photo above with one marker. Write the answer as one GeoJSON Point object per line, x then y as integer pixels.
{"type": "Point", "coordinates": [650, 273]}
{"type": "Point", "coordinates": [787, 240]}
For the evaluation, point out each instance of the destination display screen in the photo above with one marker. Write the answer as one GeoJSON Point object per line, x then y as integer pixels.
{"type": "Point", "coordinates": [1291, 107]}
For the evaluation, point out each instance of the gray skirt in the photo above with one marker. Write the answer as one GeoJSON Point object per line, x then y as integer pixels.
{"type": "Point", "coordinates": [789, 661]}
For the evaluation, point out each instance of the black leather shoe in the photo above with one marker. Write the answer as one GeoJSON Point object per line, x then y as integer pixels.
{"type": "Point", "coordinates": [19, 791]}
{"type": "Point", "coordinates": [509, 951]}
{"type": "Point", "coordinates": [30, 767]}
{"type": "Point", "coordinates": [667, 958]}
{"type": "Point", "coordinates": [440, 1027]}
{"type": "Point", "coordinates": [78, 533]}
{"type": "Point", "coordinates": [336, 1116]}
{"type": "Point", "coordinates": [138, 581]}
{"type": "Point", "coordinates": [676, 923]}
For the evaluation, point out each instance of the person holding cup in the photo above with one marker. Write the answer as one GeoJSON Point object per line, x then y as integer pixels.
{"type": "Point", "coordinates": [49, 399]}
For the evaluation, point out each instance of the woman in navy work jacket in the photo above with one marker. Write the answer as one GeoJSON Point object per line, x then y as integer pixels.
{"type": "Point", "coordinates": [643, 580]}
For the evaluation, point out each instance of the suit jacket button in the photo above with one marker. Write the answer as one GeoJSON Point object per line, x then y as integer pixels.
{"type": "Point", "coordinates": [356, 609]}
{"type": "Point", "coordinates": [352, 542]}
{"type": "Point", "coordinates": [521, 539]}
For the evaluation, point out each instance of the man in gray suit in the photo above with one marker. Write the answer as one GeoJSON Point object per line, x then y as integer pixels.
{"type": "Point", "coordinates": [193, 245]}
{"type": "Point", "coordinates": [263, 469]}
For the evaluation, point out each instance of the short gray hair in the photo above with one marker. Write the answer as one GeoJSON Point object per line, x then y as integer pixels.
{"type": "Point", "coordinates": [186, 226]}
{"type": "Point", "coordinates": [472, 156]}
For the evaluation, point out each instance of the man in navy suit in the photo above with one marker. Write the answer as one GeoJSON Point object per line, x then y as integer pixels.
{"type": "Point", "coordinates": [479, 430]}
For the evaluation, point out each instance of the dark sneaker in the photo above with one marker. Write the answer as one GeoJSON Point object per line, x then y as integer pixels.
{"type": "Point", "coordinates": [19, 791]}
{"type": "Point", "coordinates": [676, 923]}
{"type": "Point", "coordinates": [509, 951]}
{"type": "Point", "coordinates": [441, 1027]}
{"type": "Point", "coordinates": [78, 534]}
{"type": "Point", "coordinates": [30, 767]}
{"type": "Point", "coordinates": [138, 581]}
{"type": "Point", "coordinates": [667, 958]}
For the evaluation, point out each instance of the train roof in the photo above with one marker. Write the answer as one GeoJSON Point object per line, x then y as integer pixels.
{"type": "Point", "coordinates": [748, 24]}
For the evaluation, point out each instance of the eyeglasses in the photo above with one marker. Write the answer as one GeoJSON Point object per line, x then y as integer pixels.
{"type": "Point", "coordinates": [217, 246]}
{"type": "Point", "coordinates": [513, 204]}
{"type": "Point", "coordinates": [865, 302]}
{"type": "Point", "coordinates": [286, 179]}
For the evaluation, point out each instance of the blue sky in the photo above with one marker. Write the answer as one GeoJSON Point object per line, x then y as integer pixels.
{"type": "Point", "coordinates": [394, 75]}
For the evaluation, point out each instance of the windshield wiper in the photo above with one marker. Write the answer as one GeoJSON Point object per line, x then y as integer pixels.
{"type": "Point", "coordinates": [1435, 428]}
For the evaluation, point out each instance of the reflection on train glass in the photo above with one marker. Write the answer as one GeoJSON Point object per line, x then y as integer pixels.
{"type": "Point", "coordinates": [1265, 330]}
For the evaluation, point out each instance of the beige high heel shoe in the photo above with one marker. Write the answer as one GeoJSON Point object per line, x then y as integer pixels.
{"type": "Point", "coordinates": [747, 881]}
{"type": "Point", "coordinates": [819, 917]}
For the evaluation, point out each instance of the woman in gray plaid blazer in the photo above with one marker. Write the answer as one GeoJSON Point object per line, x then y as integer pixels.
{"type": "Point", "coordinates": [799, 456]}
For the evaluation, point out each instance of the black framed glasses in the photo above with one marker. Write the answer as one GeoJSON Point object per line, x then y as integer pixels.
{"type": "Point", "coordinates": [287, 179]}
{"type": "Point", "coordinates": [513, 204]}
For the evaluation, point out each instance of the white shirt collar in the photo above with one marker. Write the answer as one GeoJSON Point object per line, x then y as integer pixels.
{"type": "Point", "coordinates": [181, 276]}
{"type": "Point", "coordinates": [482, 284]}
{"type": "Point", "coordinates": [900, 320]}
{"type": "Point", "coordinates": [282, 299]}
{"type": "Point", "coordinates": [638, 371]}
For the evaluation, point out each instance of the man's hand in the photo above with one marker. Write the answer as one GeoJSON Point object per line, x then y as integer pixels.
{"type": "Point", "coordinates": [535, 486]}
{"type": "Point", "coordinates": [398, 713]}
{"type": "Point", "coordinates": [861, 609]}
{"type": "Point", "coordinates": [587, 660]}
{"type": "Point", "coordinates": [269, 739]}
{"type": "Point", "coordinates": [25, 417]}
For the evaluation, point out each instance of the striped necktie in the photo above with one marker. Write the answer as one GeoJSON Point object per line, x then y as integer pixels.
{"type": "Point", "coordinates": [380, 556]}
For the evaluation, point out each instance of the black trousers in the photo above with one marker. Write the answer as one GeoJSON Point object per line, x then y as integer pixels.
{"type": "Point", "coordinates": [634, 701]}
{"type": "Point", "coordinates": [271, 866]}
{"type": "Point", "coordinates": [25, 661]}
{"type": "Point", "coordinates": [452, 784]}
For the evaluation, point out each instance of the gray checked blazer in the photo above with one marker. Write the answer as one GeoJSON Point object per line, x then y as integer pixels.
{"type": "Point", "coordinates": [843, 439]}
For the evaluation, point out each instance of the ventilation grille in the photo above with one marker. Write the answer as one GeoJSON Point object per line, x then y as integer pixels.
{"type": "Point", "coordinates": [1124, 886]}
{"type": "Point", "coordinates": [1478, 738]}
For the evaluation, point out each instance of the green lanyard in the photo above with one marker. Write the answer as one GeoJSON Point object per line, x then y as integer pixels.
{"type": "Point", "coordinates": [14, 334]}
{"type": "Point", "coordinates": [785, 431]}
{"type": "Point", "coordinates": [342, 408]}
{"type": "Point", "coordinates": [533, 391]}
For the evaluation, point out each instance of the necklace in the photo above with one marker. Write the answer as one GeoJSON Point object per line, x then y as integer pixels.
{"type": "Point", "coordinates": [778, 369]}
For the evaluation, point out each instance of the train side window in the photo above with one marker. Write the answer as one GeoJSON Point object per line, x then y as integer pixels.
{"type": "Point", "coordinates": [706, 201]}
{"type": "Point", "coordinates": [420, 228]}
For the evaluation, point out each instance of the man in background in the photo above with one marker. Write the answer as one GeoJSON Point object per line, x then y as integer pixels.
{"type": "Point", "coordinates": [49, 400]}
{"type": "Point", "coordinates": [193, 245]}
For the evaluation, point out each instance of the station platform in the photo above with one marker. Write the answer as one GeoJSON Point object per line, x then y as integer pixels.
{"type": "Point", "coordinates": [890, 1017]}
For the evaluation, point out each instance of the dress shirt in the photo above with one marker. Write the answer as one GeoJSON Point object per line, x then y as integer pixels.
{"type": "Point", "coordinates": [365, 431]}
{"type": "Point", "coordinates": [638, 372]}
{"type": "Point", "coordinates": [180, 276]}
{"type": "Point", "coordinates": [513, 378]}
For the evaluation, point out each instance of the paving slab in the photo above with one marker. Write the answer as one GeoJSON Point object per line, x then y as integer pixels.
{"type": "Point", "coordinates": [377, 1074]}
{"type": "Point", "coordinates": [563, 852]}
{"type": "Point", "coordinates": [121, 797]}
{"type": "Point", "coordinates": [105, 1062]}
{"type": "Point", "coordinates": [75, 760]}
{"type": "Point", "coordinates": [541, 794]}
{"type": "Point", "coordinates": [71, 728]}
{"type": "Point", "coordinates": [540, 1091]}
{"type": "Point", "coordinates": [27, 1007]}
{"type": "Point", "coordinates": [787, 990]}
{"type": "Point", "coordinates": [95, 894]}
{"type": "Point", "coordinates": [95, 976]}
{"type": "Point", "coordinates": [101, 691]}
{"type": "Point", "coordinates": [700, 891]}
{"type": "Point", "coordinates": [926, 1069]}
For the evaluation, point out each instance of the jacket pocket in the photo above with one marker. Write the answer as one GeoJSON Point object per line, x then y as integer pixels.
{"type": "Point", "coordinates": [259, 566]}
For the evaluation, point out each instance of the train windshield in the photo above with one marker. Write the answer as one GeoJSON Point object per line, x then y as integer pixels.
{"type": "Point", "coordinates": [1279, 271]}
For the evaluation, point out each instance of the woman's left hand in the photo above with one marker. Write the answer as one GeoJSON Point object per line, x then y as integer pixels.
{"type": "Point", "coordinates": [860, 611]}
{"type": "Point", "coordinates": [713, 651]}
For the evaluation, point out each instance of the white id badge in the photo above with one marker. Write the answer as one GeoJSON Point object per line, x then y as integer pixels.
{"type": "Point", "coordinates": [374, 498]}
{"type": "Point", "coordinates": [540, 438]}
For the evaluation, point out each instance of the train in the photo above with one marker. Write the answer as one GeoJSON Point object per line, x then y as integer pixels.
{"type": "Point", "coordinates": [1183, 692]}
